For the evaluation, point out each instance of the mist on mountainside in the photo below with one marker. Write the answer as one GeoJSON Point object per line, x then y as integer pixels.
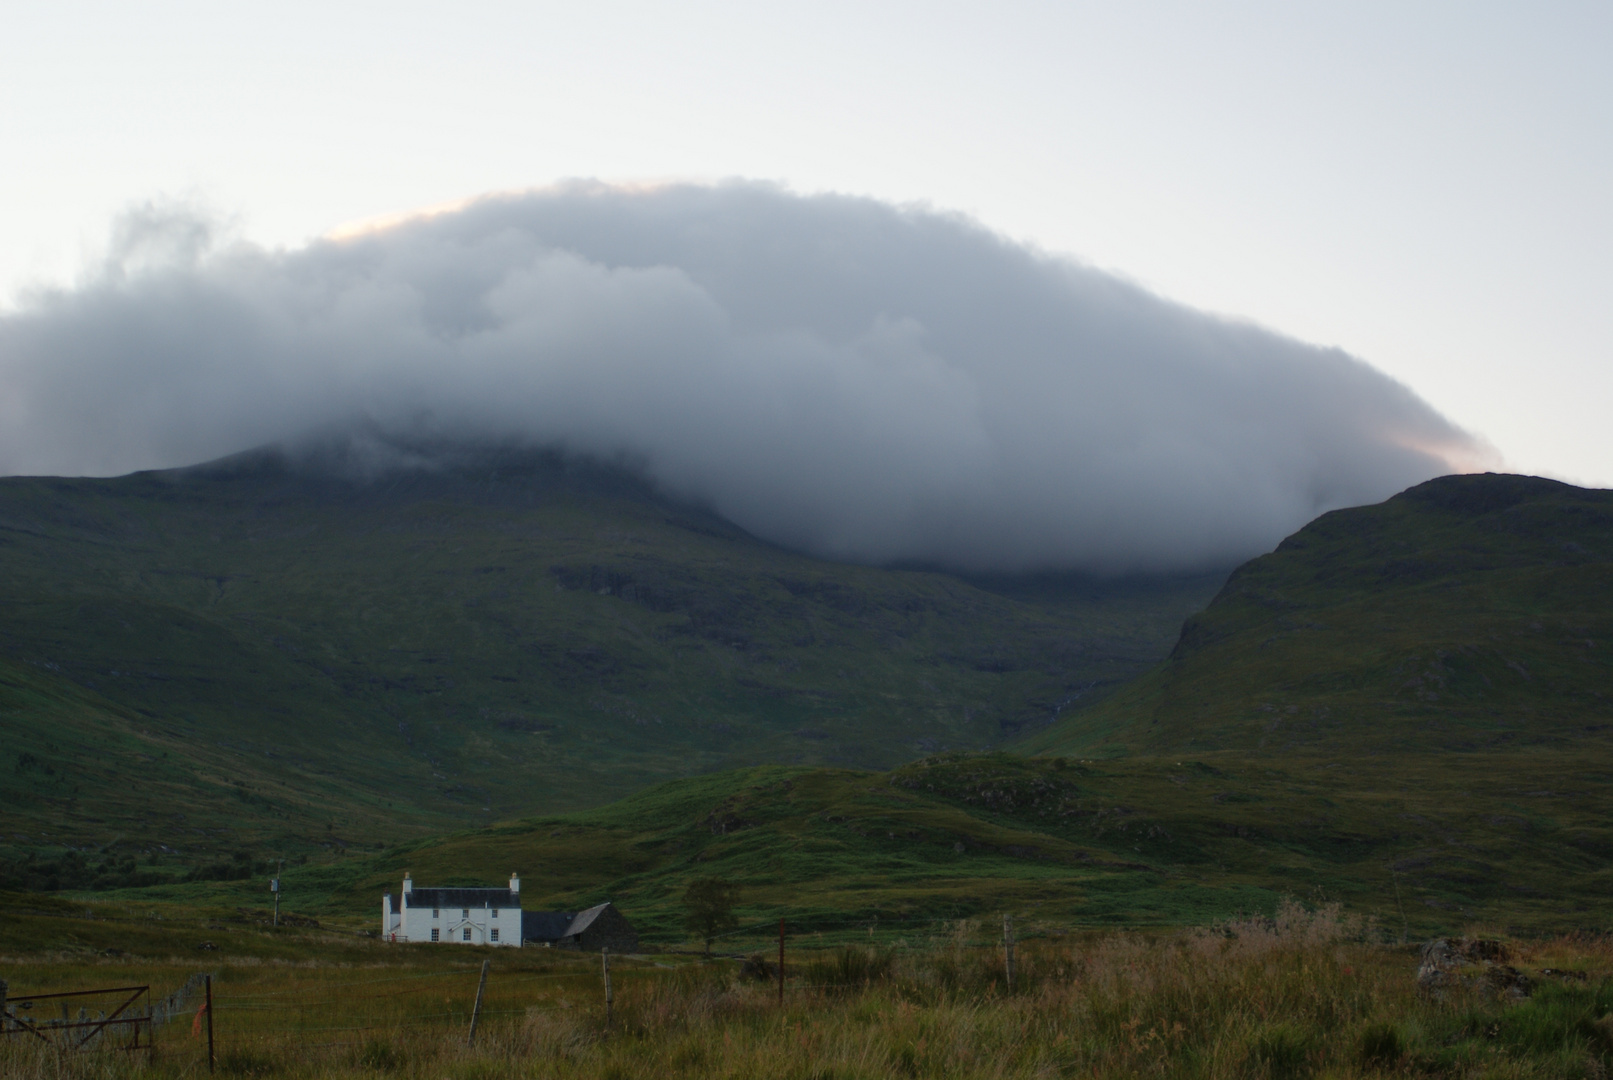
{"type": "Point", "coordinates": [837, 375]}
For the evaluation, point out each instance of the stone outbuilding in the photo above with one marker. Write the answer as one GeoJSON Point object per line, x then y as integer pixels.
{"type": "Point", "coordinates": [602, 926]}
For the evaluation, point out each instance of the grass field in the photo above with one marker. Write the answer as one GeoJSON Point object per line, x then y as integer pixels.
{"type": "Point", "coordinates": [1307, 993]}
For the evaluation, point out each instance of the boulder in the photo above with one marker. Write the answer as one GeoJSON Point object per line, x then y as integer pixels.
{"type": "Point", "coordinates": [1469, 963]}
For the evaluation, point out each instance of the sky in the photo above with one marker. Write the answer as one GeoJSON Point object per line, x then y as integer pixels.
{"type": "Point", "coordinates": [1420, 185]}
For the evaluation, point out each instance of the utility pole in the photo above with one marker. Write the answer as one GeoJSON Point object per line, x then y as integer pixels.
{"type": "Point", "coordinates": [781, 961]}
{"type": "Point", "coordinates": [274, 887]}
{"type": "Point", "coordinates": [1008, 948]}
{"type": "Point", "coordinates": [604, 960]}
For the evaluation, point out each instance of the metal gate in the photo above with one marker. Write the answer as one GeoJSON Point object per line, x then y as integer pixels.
{"type": "Point", "coordinates": [115, 1025]}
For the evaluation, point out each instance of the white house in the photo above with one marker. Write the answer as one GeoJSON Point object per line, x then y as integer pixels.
{"type": "Point", "coordinates": [463, 916]}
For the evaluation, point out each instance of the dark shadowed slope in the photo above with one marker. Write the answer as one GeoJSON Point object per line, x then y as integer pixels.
{"type": "Point", "coordinates": [489, 633]}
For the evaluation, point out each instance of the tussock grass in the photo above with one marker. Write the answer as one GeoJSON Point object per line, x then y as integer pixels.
{"type": "Point", "coordinates": [1308, 993]}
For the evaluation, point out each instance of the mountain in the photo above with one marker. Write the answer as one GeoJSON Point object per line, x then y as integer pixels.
{"type": "Point", "coordinates": [1423, 692]}
{"type": "Point", "coordinates": [1405, 706]}
{"type": "Point", "coordinates": [1468, 613]}
{"type": "Point", "coordinates": [338, 648]}
{"type": "Point", "coordinates": [1402, 707]}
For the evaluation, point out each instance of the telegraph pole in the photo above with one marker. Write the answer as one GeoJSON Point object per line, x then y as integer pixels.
{"type": "Point", "coordinates": [274, 887]}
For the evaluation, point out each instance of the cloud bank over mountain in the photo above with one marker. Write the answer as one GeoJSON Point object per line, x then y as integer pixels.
{"type": "Point", "coordinates": [834, 374]}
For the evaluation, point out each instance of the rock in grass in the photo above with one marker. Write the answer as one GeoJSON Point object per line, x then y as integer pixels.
{"type": "Point", "coordinates": [1470, 962]}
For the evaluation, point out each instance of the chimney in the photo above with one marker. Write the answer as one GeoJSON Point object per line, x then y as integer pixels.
{"type": "Point", "coordinates": [515, 884]}
{"type": "Point", "coordinates": [408, 885]}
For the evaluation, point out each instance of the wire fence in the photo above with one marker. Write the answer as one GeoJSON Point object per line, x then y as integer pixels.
{"type": "Point", "coordinates": [276, 1008]}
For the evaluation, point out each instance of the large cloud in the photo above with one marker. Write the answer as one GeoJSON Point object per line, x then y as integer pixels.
{"type": "Point", "coordinates": [836, 374]}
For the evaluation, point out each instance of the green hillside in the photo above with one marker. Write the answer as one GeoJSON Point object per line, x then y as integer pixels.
{"type": "Point", "coordinates": [1436, 669]}
{"type": "Point", "coordinates": [1470, 613]}
{"type": "Point", "coordinates": [1403, 707]}
{"type": "Point", "coordinates": [263, 655]}
{"type": "Point", "coordinates": [95, 794]}
{"type": "Point", "coordinates": [1061, 843]}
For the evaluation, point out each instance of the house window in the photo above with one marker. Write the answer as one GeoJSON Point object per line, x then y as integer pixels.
{"type": "Point", "coordinates": [435, 912]}
{"type": "Point", "coordinates": [465, 913]}
{"type": "Point", "coordinates": [495, 913]}
{"type": "Point", "coordinates": [434, 933]}
{"type": "Point", "coordinates": [467, 933]}
{"type": "Point", "coordinates": [494, 934]}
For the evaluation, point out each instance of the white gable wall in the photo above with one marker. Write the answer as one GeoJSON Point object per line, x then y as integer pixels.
{"type": "Point", "coordinates": [461, 925]}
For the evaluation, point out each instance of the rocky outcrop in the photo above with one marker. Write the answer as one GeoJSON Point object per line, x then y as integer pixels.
{"type": "Point", "coordinates": [1470, 963]}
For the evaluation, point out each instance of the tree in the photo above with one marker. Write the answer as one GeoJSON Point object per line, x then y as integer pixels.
{"type": "Point", "coordinates": [709, 908]}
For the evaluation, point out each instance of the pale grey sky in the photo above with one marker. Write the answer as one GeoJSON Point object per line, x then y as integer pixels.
{"type": "Point", "coordinates": [1421, 184]}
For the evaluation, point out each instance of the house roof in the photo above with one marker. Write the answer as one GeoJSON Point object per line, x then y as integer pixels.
{"type": "Point", "coordinates": [463, 898]}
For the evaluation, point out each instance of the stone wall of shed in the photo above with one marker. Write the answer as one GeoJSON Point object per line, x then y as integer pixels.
{"type": "Point", "coordinates": [610, 930]}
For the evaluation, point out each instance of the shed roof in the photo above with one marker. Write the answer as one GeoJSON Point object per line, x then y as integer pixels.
{"type": "Point", "coordinates": [585, 918]}
{"type": "Point", "coordinates": [545, 925]}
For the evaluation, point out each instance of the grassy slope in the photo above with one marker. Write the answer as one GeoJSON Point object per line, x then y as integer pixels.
{"type": "Point", "coordinates": [77, 763]}
{"type": "Point", "coordinates": [1119, 842]}
{"type": "Point", "coordinates": [1470, 613]}
{"type": "Point", "coordinates": [250, 654]}
{"type": "Point", "coordinates": [1436, 671]}
{"type": "Point", "coordinates": [1402, 707]}
{"type": "Point", "coordinates": [1399, 708]}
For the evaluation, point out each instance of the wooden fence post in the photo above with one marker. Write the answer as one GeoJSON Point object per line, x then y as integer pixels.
{"type": "Point", "coordinates": [476, 1009]}
{"type": "Point", "coordinates": [1008, 948]}
{"type": "Point", "coordinates": [781, 961]}
{"type": "Point", "coordinates": [209, 1023]}
{"type": "Point", "coordinates": [604, 961]}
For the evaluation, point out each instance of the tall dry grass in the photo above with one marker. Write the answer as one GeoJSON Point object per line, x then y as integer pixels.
{"type": "Point", "coordinates": [1305, 994]}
